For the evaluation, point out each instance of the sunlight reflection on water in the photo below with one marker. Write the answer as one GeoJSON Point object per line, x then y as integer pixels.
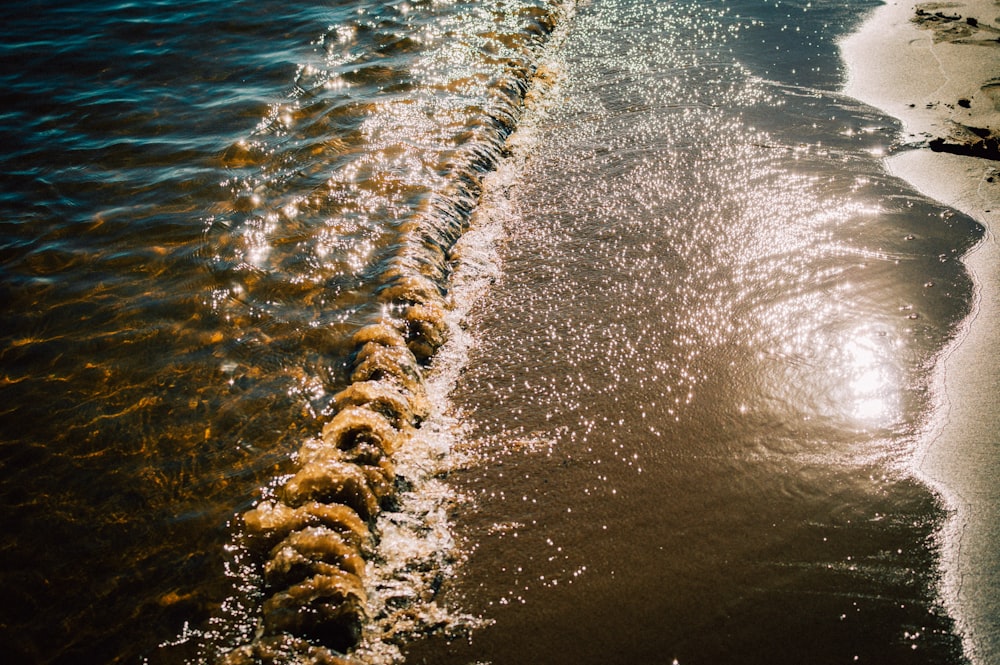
{"type": "Point", "coordinates": [713, 305]}
{"type": "Point", "coordinates": [870, 380]}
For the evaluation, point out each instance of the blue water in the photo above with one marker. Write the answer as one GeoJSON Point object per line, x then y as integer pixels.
{"type": "Point", "coordinates": [702, 270]}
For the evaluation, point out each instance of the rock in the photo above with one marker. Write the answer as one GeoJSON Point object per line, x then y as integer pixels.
{"type": "Point", "coordinates": [985, 149]}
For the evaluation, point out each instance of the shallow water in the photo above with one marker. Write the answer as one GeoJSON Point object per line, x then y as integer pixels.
{"type": "Point", "coordinates": [203, 203]}
{"type": "Point", "coordinates": [695, 369]}
{"type": "Point", "coordinates": [705, 367]}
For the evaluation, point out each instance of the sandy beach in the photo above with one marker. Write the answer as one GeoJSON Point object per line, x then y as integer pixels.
{"type": "Point", "coordinates": [937, 67]}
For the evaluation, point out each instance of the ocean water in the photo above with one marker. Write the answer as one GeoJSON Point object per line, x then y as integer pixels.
{"type": "Point", "coordinates": [600, 323]}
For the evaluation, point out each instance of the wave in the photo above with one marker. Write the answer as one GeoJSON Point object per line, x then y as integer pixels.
{"type": "Point", "coordinates": [343, 211]}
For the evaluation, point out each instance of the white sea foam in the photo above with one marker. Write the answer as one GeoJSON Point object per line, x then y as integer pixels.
{"type": "Point", "coordinates": [417, 548]}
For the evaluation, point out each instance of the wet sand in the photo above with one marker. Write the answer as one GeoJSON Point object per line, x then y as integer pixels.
{"type": "Point", "coordinates": [935, 66]}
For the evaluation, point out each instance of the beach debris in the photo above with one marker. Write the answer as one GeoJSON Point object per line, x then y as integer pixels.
{"type": "Point", "coordinates": [974, 126]}
{"type": "Point", "coordinates": [953, 27]}
{"type": "Point", "coordinates": [985, 148]}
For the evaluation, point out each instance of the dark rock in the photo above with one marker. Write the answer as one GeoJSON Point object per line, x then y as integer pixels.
{"type": "Point", "coordinates": [985, 149]}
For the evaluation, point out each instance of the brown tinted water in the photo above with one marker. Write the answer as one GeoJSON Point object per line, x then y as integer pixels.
{"type": "Point", "coordinates": [675, 423]}
{"type": "Point", "coordinates": [203, 203]}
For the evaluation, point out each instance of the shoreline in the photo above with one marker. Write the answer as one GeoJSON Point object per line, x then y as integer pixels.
{"type": "Point", "coordinates": [935, 67]}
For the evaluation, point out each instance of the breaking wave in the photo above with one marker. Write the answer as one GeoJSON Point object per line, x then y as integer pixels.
{"type": "Point", "coordinates": [341, 229]}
